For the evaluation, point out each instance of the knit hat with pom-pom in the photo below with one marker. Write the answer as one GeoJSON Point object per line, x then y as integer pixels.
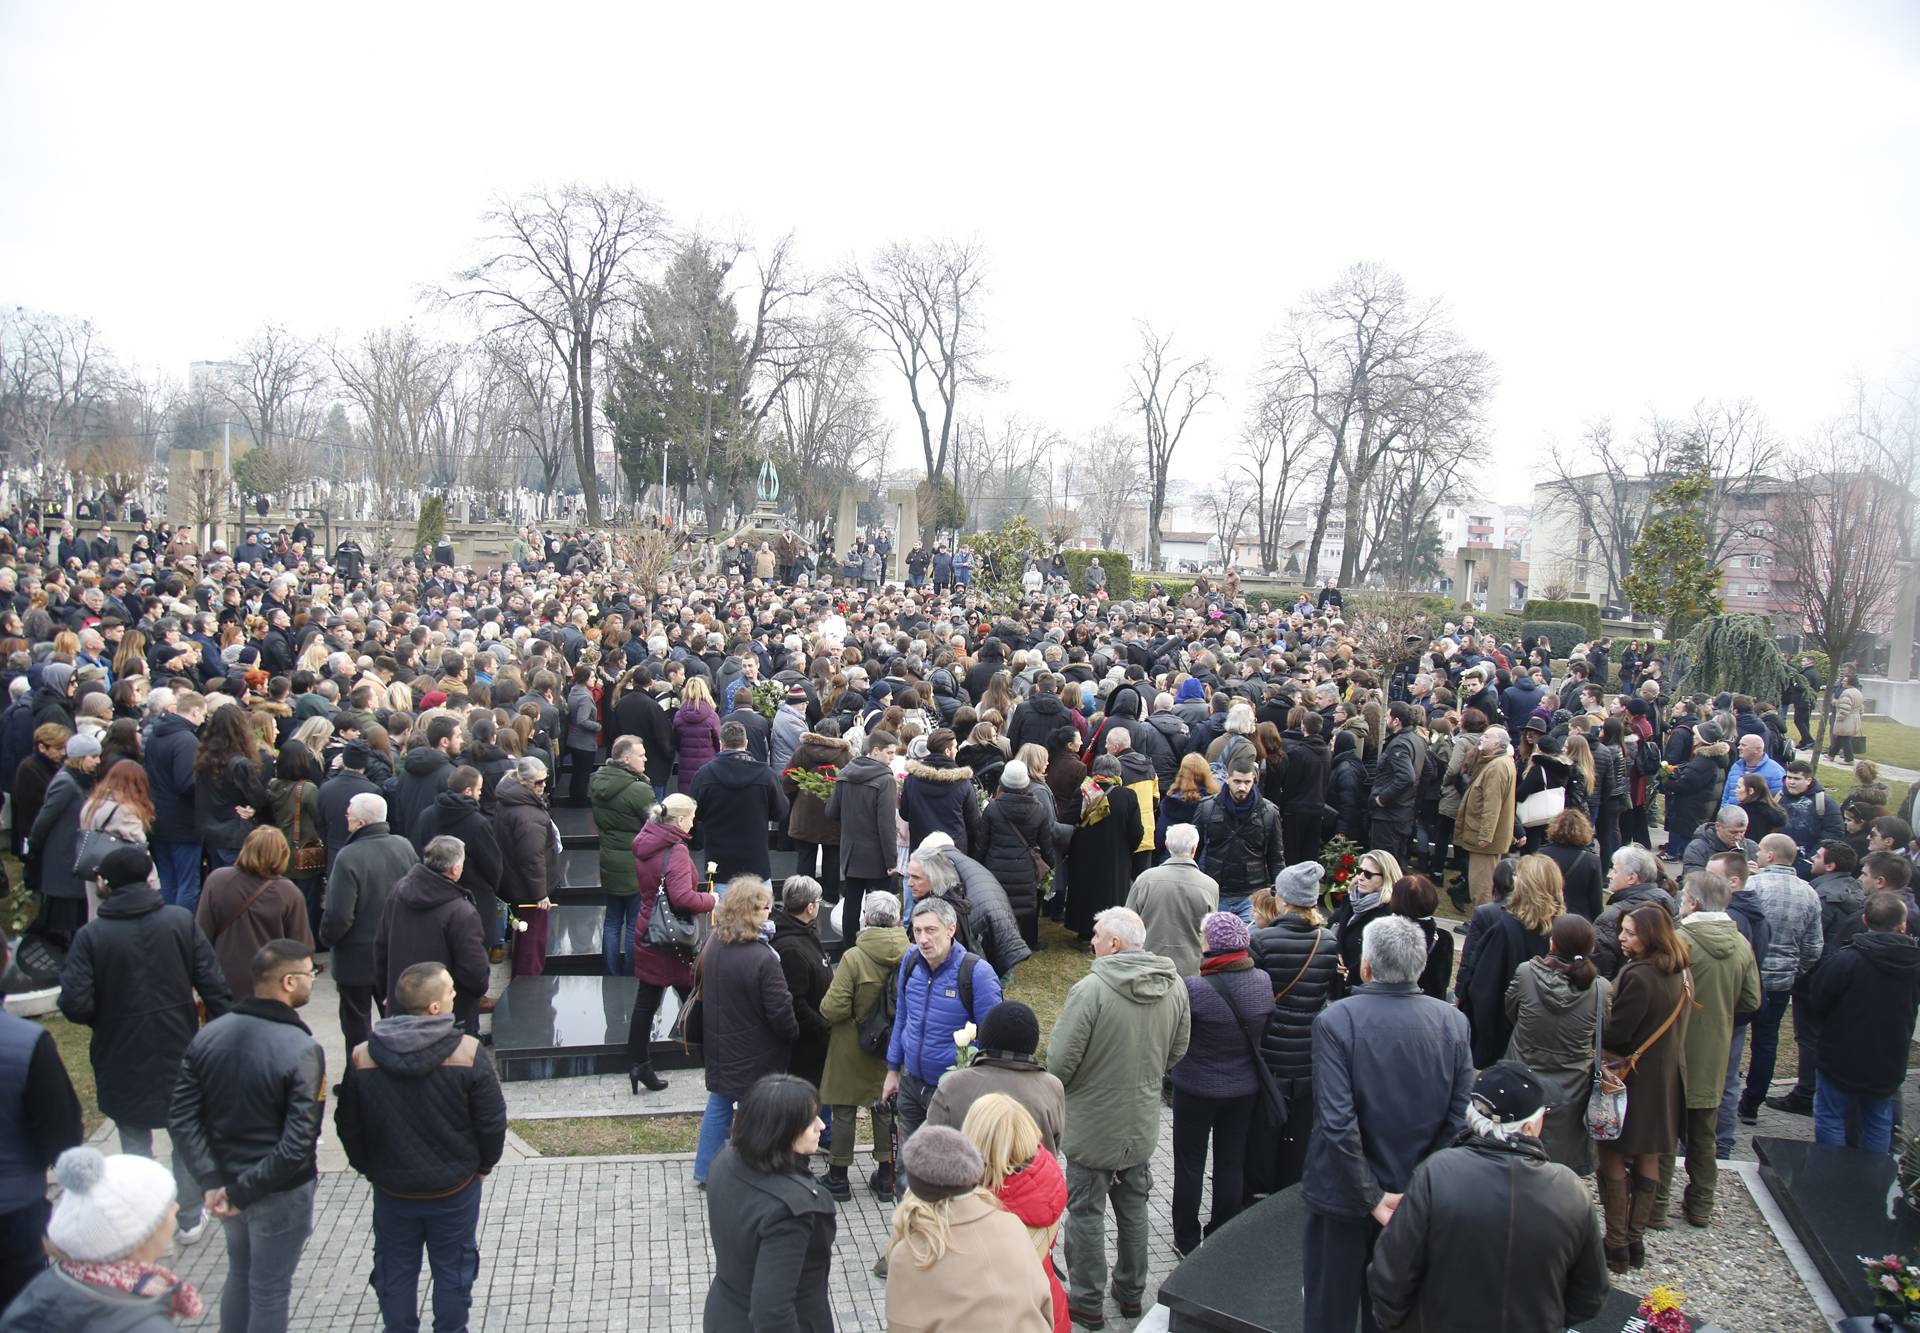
{"type": "Point", "coordinates": [111, 1205]}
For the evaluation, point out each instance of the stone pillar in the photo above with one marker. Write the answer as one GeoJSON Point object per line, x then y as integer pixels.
{"type": "Point", "coordinates": [906, 531]}
{"type": "Point", "coordinates": [1900, 636]}
{"type": "Point", "coordinates": [1499, 580]}
{"type": "Point", "coordinates": [1464, 569]}
{"type": "Point", "coordinates": [846, 521]}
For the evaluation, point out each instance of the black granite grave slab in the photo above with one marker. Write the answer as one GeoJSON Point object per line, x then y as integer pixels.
{"type": "Point", "coordinates": [1247, 1278]}
{"type": "Point", "coordinates": [580, 868]}
{"type": "Point", "coordinates": [574, 940]}
{"type": "Point", "coordinates": [1841, 1203]}
{"type": "Point", "coordinates": [556, 1026]}
{"type": "Point", "coordinates": [576, 826]}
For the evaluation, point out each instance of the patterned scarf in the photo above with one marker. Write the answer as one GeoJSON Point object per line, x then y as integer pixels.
{"type": "Point", "coordinates": [1093, 797]}
{"type": "Point", "coordinates": [136, 1279]}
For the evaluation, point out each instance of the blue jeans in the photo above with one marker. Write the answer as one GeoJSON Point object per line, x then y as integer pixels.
{"type": "Point", "coordinates": [1832, 1108]}
{"type": "Point", "coordinates": [1730, 1096]}
{"type": "Point", "coordinates": [1240, 907]}
{"type": "Point", "coordinates": [179, 867]}
{"type": "Point", "coordinates": [263, 1249]}
{"type": "Point", "coordinates": [616, 933]}
{"type": "Point", "coordinates": [448, 1230]}
{"type": "Point", "coordinates": [715, 1124]}
{"type": "Point", "coordinates": [1766, 1047]}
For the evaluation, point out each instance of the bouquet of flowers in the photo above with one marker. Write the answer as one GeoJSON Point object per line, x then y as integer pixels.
{"type": "Point", "coordinates": [1661, 1310]}
{"type": "Point", "coordinates": [964, 1051]}
{"type": "Point", "coordinates": [1341, 857]}
{"type": "Point", "coordinates": [1895, 1284]}
{"type": "Point", "coordinates": [767, 696]}
{"type": "Point", "coordinates": [816, 782]}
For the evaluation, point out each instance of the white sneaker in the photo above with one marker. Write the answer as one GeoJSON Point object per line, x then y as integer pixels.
{"type": "Point", "coordinates": [188, 1235]}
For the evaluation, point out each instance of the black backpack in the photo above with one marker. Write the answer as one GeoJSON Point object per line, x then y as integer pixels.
{"type": "Point", "coordinates": [1646, 758]}
{"type": "Point", "coordinates": [875, 1031]}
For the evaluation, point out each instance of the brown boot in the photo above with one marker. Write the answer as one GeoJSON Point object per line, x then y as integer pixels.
{"type": "Point", "coordinates": [1646, 1194]}
{"type": "Point", "coordinates": [1660, 1220]}
{"type": "Point", "coordinates": [1614, 1204]}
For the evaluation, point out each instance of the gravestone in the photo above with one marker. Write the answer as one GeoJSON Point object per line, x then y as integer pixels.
{"type": "Point", "coordinates": [1841, 1203]}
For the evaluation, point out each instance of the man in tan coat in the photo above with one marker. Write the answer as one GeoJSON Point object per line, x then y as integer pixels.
{"type": "Point", "coordinates": [1174, 898]}
{"type": "Point", "coordinates": [1484, 826]}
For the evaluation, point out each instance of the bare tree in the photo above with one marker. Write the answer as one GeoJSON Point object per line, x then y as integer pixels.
{"type": "Point", "coordinates": [118, 464]}
{"type": "Point", "coordinates": [538, 414]}
{"type": "Point", "coordinates": [1278, 446]}
{"type": "Point", "coordinates": [1841, 525]}
{"type": "Point", "coordinates": [397, 377]}
{"type": "Point", "coordinates": [556, 263]}
{"type": "Point", "coordinates": [1226, 506]}
{"type": "Point", "coordinates": [920, 305]}
{"type": "Point", "coordinates": [273, 390]}
{"type": "Point", "coordinates": [1001, 471]}
{"type": "Point", "coordinates": [1375, 365]}
{"type": "Point", "coordinates": [827, 423]}
{"type": "Point", "coordinates": [1167, 391]}
{"type": "Point", "coordinates": [53, 378]}
{"type": "Point", "coordinates": [1110, 480]}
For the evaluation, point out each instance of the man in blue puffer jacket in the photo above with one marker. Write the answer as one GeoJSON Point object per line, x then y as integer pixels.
{"type": "Point", "coordinates": [942, 989]}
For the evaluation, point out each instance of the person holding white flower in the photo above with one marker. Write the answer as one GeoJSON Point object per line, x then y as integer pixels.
{"type": "Point", "coordinates": [942, 988]}
{"type": "Point", "coordinates": [661, 863]}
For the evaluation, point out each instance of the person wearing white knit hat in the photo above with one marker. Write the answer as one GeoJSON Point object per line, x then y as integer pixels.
{"type": "Point", "coordinates": [112, 1224]}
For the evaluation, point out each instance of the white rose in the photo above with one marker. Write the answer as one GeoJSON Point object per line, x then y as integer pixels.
{"type": "Point", "coordinates": [519, 923]}
{"type": "Point", "coordinates": [712, 867]}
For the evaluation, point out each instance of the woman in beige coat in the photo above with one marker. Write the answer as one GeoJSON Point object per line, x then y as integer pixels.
{"type": "Point", "coordinates": [1849, 707]}
{"type": "Point", "coordinates": [948, 1235]}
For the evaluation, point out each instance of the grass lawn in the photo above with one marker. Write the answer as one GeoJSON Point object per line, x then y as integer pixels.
{"type": "Point", "coordinates": [1890, 742]}
{"type": "Point", "coordinates": [72, 1040]}
{"type": "Point", "coordinates": [609, 1136]}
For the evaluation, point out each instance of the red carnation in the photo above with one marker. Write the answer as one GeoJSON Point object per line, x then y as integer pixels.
{"type": "Point", "coordinates": [1347, 860]}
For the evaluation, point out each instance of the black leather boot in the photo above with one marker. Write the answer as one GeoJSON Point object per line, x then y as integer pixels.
{"type": "Point", "coordinates": [639, 1074]}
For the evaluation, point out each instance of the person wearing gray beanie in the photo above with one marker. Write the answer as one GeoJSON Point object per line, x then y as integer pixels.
{"type": "Point", "coordinates": [1299, 885]}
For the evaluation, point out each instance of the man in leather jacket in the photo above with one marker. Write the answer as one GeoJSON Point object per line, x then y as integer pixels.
{"type": "Point", "coordinates": [1489, 1232]}
{"type": "Point", "coordinates": [247, 1113]}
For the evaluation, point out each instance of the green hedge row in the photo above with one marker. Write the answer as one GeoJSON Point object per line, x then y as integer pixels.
{"type": "Point", "coordinates": [1118, 564]}
{"type": "Point", "coordinates": [1562, 634]}
{"type": "Point", "coordinates": [1586, 615]}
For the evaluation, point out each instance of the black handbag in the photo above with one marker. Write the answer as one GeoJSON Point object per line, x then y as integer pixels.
{"type": "Point", "coordinates": [1269, 1085]}
{"type": "Point", "coordinates": [667, 927]}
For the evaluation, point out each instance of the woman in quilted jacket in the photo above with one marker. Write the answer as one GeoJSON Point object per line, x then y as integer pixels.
{"type": "Point", "coordinates": [660, 848]}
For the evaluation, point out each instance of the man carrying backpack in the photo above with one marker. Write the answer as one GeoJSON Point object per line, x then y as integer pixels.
{"type": "Point", "coordinates": [943, 989]}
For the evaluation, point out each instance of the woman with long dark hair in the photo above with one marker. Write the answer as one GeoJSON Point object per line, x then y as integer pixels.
{"type": "Point", "coordinates": [1415, 897]}
{"type": "Point", "coordinates": [1644, 1042]}
{"type": "Point", "coordinates": [295, 792]}
{"type": "Point", "coordinates": [1553, 1003]}
{"type": "Point", "coordinates": [1500, 937]}
{"type": "Point", "coordinates": [229, 794]}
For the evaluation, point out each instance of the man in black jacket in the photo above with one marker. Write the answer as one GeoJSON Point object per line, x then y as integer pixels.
{"type": "Point", "coordinates": [424, 770]}
{"type": "Point", "coordinates": [1240, 840]}
{"type": "Point", "coordinates": [864, 799]}
{"type": "Point", "coordinates": [247, 1112]}
{"type": "Point", "coordinates": [1865, 999]}
{"type": "Point", "coordinates": [1396, 782]}
{"type": "Point", "coordinates": [739, 797]}
{"type": "Point", "coordinates": [170, 751]}
{"type": "Point", "coordinates": [41, 1114]}
{"type": "Point", "coordinates": [1492, 1223]}
{"type": "Point", "coordinates": [337, 793]}
{"type": "Point", "coordinates": [456, 813]}
{"type": "Point", "coordinates": [422, 1117]}
{"type": "Point", "coordinates": [430, 919]}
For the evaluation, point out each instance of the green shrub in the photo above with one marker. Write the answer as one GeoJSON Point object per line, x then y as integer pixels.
{"type": "Point", "coordinates": [432, 524]}
{"type": "Point", "coordinates": [1562, 634]}
{"type": "Point", "coordinates": [1584, 614]}
{"type": "Point", "coordinates": [1821, 662]}
{"type": "Point", "coordinates": [1119, 567]}
{"type": "Point", "coordinates": [1174, 588]}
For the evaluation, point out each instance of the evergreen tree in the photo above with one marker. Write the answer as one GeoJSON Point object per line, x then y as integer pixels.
{"type": "Point", "coordinates": [1673, 578]}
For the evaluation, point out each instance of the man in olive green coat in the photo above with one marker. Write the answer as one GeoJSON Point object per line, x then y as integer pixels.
{"type": "Point", "coordinates": [1726, 984]}
{"type": "Point", "coordinates": [853, 1076]}
{"type": "Point", "coordinates": [1123, 1026]}
{"type": "Point", "coordinates": [622, 795]}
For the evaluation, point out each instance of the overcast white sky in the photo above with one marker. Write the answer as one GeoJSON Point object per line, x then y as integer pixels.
{"type": "Point", "coordinates": [1626, 206]}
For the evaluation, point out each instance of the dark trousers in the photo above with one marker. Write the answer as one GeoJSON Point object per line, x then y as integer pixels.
{"type": "Point", "coordinates": [1802, 720]}
{"type": "Point", "coordinates": [447, 1229]}
{"type": "Point", "coordinates": [1606, 830]}
{"type": "Point", "coordinates": [1277, 1154]}
{"type": "Point", "coordinates": [21, 1257]}
{"type": "Point", "coordinates": [1300, 837]}
{"type": "Point", "coordinates": [1806, 1036]}
{"type": "Point", "coordinates": [1766, 1047]}
{"type": "Point", "coordinates": [828, 872]}
{"type": "Point", "coordinates": [581, 764]}
{"type": "Point", "coordinates": [1337, 1251]}
{"type": "Point", "coordinates": [646, 1004]}
{"type": "Point", "coordinates": [1196, 1119]}
{"type": "Point", "coordinates": [1393, 834]}
{"type": "Point", "coordinates": [1634, 827]}
{"type": "Point", "coordinates": [616, 933]}
{"type": "Point", "coordinates": [357, 1004]}
{"type": "Point", "coordinates": [1841, 745]}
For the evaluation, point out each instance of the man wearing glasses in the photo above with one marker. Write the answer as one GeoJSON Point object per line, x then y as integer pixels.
{"type": "Point", "coordinates": [246, 1113]}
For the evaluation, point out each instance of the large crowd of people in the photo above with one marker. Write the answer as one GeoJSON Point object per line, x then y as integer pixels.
{"type": "Point", "coordinates": [225, 770]}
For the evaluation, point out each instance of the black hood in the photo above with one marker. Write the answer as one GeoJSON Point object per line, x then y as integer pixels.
{"type": "Point", "coordinates": [456, 805]}
{"type": "Point", "coordinates": [424, 761]}
{"type": "Point", "coordinates": [735, 769]}
{"type": "Point", "coordinates": [1124, 702]}
{"type": "Point", "coordinates": [1047, 705]}
{"type": "Point", "coordinates": [1894, 955]}
{"type": "Point", "coordinates": [422, 889]}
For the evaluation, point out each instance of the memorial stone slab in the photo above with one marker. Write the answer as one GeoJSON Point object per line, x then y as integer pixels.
{"type": "Point", "coordinates": [1842, 1203]}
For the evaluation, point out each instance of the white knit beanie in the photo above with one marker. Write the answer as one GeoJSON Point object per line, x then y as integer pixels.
{"type": "Point", "coordinates": [110, 1205]}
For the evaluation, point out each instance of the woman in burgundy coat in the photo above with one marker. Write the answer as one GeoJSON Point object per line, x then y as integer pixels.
{"type": "Point", "coordinates": [661, 847]}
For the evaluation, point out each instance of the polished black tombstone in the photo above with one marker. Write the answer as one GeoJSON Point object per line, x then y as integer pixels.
{"type": "Point", "coordinates": [576, 826]}
{"type": "Point", "coordinates": [1247, 1278]}
{"type": "Point", "coordinates": [1841, 1203]}
{"type": "Point", "coordinates": [580, 882]}
{"type": "Point", "coordinates": [574, 940]}
{"type": "Point", "coordinates": [556, 1026]}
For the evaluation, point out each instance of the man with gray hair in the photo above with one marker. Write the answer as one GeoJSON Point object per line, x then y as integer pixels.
{"type": "Point", "coordinates": [1173, 899]}
{"type": "Point", "coordinates": [1392, 1071]}
{"type": "Point", "coordinates": [370, 862]}
{"type": "Point", "coordinates": [1727, 833]}
{"type": "Point", "coordinates": [430, 919]}
{"type": "Point", "coordinates": [1633, 880]}
{"type": "Point", "coordinates": [1794, 941]}
{"type": "Point", "coordinates": [1726, 989]}
{"type": "Point", "coordinates": [1123, 1026]}
{"type": "Point", "coordinates": [943, 988]}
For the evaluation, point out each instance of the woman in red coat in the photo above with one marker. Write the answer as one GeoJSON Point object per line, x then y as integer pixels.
{"type": "Point", "coordinates": [660, 847]}
{"type": "Point", "coordinates": [1640, 726]}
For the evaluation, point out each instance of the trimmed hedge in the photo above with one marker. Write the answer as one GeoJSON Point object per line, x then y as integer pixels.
{"type": "Point", "coordinates": [1562, 633]}
{"type": "Point", "coordinates": [1586, 615]}
{"type": "Point", "coordinates": [1504, 628]}
{"type": "Point", "coordinates": [1119, 567]}
{"type": "Point", "coordinates": [1174, 588]}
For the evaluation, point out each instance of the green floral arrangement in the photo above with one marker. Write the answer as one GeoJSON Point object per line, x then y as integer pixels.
{"type": "Point", "coordinates": [816, 782]}
{"type": "Point", "coordinates": [767, 696]}
{"type": "Point", "coordinates": [1341, 857]}
{"type": "Point", "coordinates": [1895, 1284]}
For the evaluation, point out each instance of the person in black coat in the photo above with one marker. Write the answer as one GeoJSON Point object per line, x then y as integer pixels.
{"type": "Point", "coordinates": [429, 919]}
{"type": "Point", "coordinates": [1015, 826]}
{"type": "Point", "coordinates": [348, 781]}
{"type": "Point", "coordinates": [1292, 945]}
{"type": "Point", "coordinates": [131, 976]}
{"type": "Point", "coordinates": [1240, 837]}
{"type": "Point", "coordinates": [1349, 789]}
{"type": "Point", "coordinates": [230, 796]}
{"type": "Point", "coordinates": [456, 813]}
{"type": "Point", "coordinates": [1101, 852]}
{"type": "Point", "coordinates": [1693, 790]}
{"type": "Point", "coordinates": [1501, 935]}
{"type": "Point", "coordinates": [1583, 880]}
{"type": "Point", "coordinates": [803, 962]}
{"type": "Point", "coordinates": [639, 713]}
{"type": "Point", "coordinates": [746, 1011]}
{"type": "Point", "coordinates": [771, 1223]}
{"type": "Point", "coordinates": [937, 796]}
{"type": "Point", "coordinates": [739, 796]}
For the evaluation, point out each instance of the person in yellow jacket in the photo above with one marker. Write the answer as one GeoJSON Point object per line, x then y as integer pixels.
{"type": "Point", "coordinates": [1138, 776]}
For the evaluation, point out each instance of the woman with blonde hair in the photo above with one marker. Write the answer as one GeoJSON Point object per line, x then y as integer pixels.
{"type": "Point", "coordinates": [1026, 1179]}
{"type": "Point", "coordinates": [661, 861]}
{"type": "Point", "coordinates": [950, 1232]}
{"type": "Point", "coordinates": [130, 659]}
{"type": "Point", "coordinates": [1369, 891]}
{"type": "Point", "coordinates": [746, 1011]}
{"type": "Point", "coordinates": [1501, 936]}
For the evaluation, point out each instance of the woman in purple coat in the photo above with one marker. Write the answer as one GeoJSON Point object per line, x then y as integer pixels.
{"type": "Point", "coordinates": [696, 731]}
